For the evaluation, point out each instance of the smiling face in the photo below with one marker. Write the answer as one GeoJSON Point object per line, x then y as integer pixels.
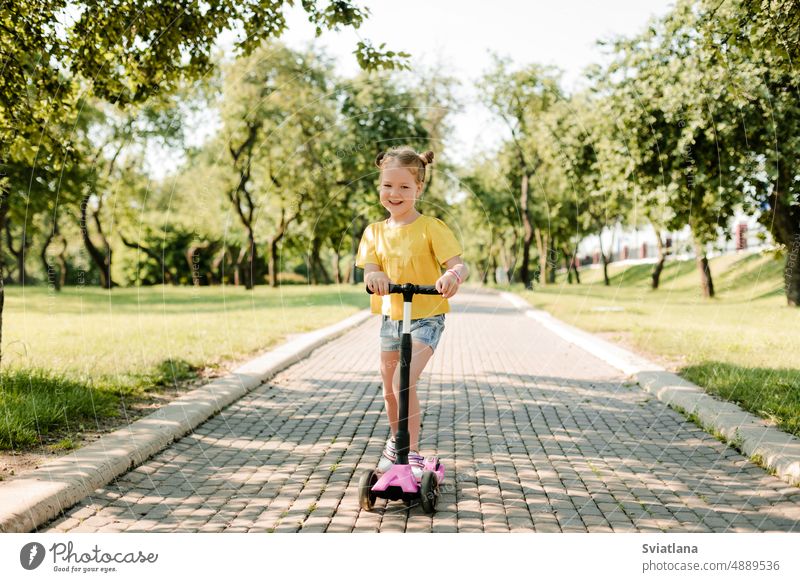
{"type": "Point", "coordinates": [399, 191]}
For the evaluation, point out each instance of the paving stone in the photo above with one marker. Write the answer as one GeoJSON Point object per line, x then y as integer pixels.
{"type": "Point", "coordinates": [535, 435]}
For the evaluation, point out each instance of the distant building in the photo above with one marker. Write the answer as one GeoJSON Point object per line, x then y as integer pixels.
{"type": "Point", "coordinates": [639, 244]}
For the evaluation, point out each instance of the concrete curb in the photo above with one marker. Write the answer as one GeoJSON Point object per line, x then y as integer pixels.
{"type": "Point", "coordinates": [29, 501]}
{"type": "Point", "coordinates": [779, 451]}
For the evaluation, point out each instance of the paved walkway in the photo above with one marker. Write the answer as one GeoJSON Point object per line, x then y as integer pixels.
{"type": "Point", "coordinates": [536, 435]}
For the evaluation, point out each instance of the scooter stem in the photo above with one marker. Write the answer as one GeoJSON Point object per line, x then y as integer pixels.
{"type": "Point", "coordinates": [402, 437]}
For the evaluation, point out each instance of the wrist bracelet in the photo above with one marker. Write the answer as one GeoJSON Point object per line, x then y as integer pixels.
{"type": "Point", "coordinates": [458, 278]}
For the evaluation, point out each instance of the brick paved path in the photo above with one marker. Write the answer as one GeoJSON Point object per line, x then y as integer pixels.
{"type": "Point", "coordinates": [536, 435]}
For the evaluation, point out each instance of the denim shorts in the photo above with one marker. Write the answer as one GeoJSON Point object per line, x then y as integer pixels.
{"type": "Point", "coordinates": [426, 329]}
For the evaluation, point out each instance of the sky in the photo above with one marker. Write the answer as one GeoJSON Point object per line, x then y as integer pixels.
{"type": "Point", "coordinates": [459, 35]}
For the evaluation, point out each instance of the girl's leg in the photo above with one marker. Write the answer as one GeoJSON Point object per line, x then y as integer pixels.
{"type": "Point", "coordinates": [420, 355]}
{"type": "Point", "coordinates": [389, 361]}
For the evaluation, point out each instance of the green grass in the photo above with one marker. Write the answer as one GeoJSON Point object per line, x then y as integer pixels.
{"type": "Point", "coordinates": [742, 345]}
{"type": "Point", "coordinates": [771, 393]}
{"type": "Point", "coordinates": [66, 444]}
{"type": "Point", "coordinates": [69, 357]}
{"type": "Point", "coordinates": [36, 402]}
{"type": "Point", "coordinates": [124, 331]}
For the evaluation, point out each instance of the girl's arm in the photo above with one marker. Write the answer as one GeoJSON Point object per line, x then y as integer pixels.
{"type": "Point", "coordinates": [448, 283]}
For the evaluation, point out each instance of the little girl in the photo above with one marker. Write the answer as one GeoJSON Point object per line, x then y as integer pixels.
{"type": "Point", "coordinates": [407, 247]}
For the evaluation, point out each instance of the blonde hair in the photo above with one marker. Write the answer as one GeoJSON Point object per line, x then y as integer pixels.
{"type": "Point", "coordinates": [406, 157]}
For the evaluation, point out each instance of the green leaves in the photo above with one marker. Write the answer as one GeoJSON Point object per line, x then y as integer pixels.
{"type": "Point", "coordinates": [370, 58]}
{"type": "Point", "coordinates": [127, 52]}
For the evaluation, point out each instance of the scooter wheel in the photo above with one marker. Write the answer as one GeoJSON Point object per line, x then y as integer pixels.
{"type": "Point", "coordinates": [366, 497]}
{"type": "Point", "coordinates": [429, 491]}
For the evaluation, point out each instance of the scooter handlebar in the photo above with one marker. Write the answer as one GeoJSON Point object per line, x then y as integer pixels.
{"type": "Point", "coordinates": [414, 289]}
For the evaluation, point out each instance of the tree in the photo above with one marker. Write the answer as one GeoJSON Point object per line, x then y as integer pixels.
{"type": "Point", "coordinates": [278, 112]}
{"type": "Point", "coordinates": [520, 98]}
{"type": "Point", "coordinates": [641, 127]}
{"type": "Point", "coordinates": [53, 50]}
{"type": "Point", "coordinates": [582, 146]}
{"type": "Point", "coordinates": [492, 216]}
{"type": "Point", "coordinates": [679, 85]}
{"type": "Point", "coordinates": [751, 49]}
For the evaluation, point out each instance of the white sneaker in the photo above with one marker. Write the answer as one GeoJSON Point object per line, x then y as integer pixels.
{"type": "Point", "coordinates": [417, 463]}
{"type": "Point", "coordinates": [388, 457]}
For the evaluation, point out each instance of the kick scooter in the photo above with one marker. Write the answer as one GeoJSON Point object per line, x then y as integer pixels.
{"type": "Point", "coordinates": [399, 481]}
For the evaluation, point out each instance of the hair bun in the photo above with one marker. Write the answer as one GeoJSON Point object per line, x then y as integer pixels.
{"type": "Point", "coordinates": [427, 157]}
{"type": "Point", "coordinates": [379, 159]}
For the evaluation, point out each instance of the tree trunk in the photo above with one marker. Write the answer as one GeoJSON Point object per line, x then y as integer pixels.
{"type": "Point", "coordinates": [244, 205]}
{"type": "Point", "coordinates": [190, 260]}
{"type": "Point", "coordinates": [238, 273]}
{"type": "Point", "coordinates": [662, 256]}
{"type": "Point", "coordinates": [511, 269]}
{"type": "Point", "coordinates": [316, 268]}
{"type": "Point", "coordinates": [337, 275]}
{"type": "Point", "coordinates": [659, 266]}
{"type": "Point", "coordinates": [542, 247]}
{"type": "Point", "coordinates": [568, 263]}
{"type": "Point", "coordinates": [575, 262]}
{"type": "Point", "coordinates": [349, 273]}
{"type": "Point", "coordinates": [49, 269]}
{"type": "Point", "coordinates": [246, 263]}
{"type": "Point", "coordinates": [273, 262]}
{"type": "Point", "coordinates": [791, 274]}
{"type": "Point", "coordinates": [103, 261]}
{"type": "Point", "coordinates": [326, 277]}
{"type": "Point", "coordinates": [3, 214]}
{"type": "Point", "coordinates": [62, 264]}
{"type": "Point", "coordinates": [283, 225]}
{"type": "Point", "coordinates": [193, 260]}
{"type": "Point", "coordinates": [527, 232]}
{"type": "Point", "coordinates": [26, 244]}
{"type": "Point", "coordinates": [784, 225]}
{"type": "Point", "coordinates": [218, 266]}
{"type": "Point", "coordinates": [569, 269]}
{"type": "Point", "coordinates": [19, 255]}
{"type": "Point", "coordinates": [606, 280]}
{"type": "Point", "coordinates": [512, 264]}
{"type": "Point", "coordinates": [313, 262]}
{"type": "Point", "coordinates": [706, 282]}
{"type": "Point", "coordinates": [13, 252]}
{"type": "Point", "coordinates": [252, 263]}
{"type": "Point", "coordinates": [603, 258]}
{"type": "Point", "coordinates": [524, 271]}
{"type": "Point", "coordinates": [486, 264]}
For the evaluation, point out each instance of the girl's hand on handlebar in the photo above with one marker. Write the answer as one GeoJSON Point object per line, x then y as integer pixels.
{"type": "Point", "coordinates": [378, 282]}
{"type": "Point", "coordinates": [447, 285]}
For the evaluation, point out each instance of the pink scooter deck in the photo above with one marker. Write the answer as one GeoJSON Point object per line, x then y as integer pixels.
{"type": "Point", "coordinates": [402, 476]}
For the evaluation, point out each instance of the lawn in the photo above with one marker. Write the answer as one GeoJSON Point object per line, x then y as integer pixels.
{"type": "Point", "coordinates": [742, 345]}
{"type": "Point", "coordinates": [68, 356]}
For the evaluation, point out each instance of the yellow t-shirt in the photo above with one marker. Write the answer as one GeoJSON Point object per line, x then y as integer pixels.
{"type": "Point", "coordinates": [409, 253]}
